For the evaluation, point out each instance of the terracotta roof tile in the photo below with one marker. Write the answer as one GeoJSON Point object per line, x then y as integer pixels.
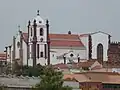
{"type": "Point", "coordinates": [65, 40]}
{"type": "Point", "coordinates": [96, 67]}
{"type": "Point", "coordinates": [86, 64]}
{"type": "Point", "coordinates": [84, 35]}
{"type": "Point", "coordinates": [2, 56]}
{"type": "Point", "coordinates": [25, 36]}
{"type": "Point", "coordinates": [64, 36]}
{"type": "Point", "coordinates": [104, 77]}
{"type": "Point", "coordinates": [61, 66]}
{"type": "Point", "coordinates": [66, 43]}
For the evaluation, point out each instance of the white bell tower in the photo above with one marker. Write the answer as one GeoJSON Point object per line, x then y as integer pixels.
{"type": "Point", "coordinates": [37, 38]}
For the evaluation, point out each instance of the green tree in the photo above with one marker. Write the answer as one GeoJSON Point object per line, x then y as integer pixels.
{"type": "Point", "coordinates": [32, 71]}
{"type": "Point", "coordinates": [51, 80]}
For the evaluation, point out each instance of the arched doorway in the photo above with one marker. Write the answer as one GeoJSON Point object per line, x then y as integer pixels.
{"type": "Point", "coordinates": [100, 51]}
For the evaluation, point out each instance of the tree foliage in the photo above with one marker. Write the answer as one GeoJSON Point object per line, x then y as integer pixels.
{"type": "Point", "coordinates": [30, 71]}
{"type": "Point", "coordinates": [51, 80]}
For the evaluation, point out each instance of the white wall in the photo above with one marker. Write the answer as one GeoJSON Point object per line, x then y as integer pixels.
{"type": "Point", "coordinates": [17, 54]}
{"type": "Point", "coordinates": [24, 53]}
{"type": "Point", "coordinates": [59, 52]}
{"type": "Point", "coordinates": [53, 58]}
{"type": "Point", "coordinates": [96, 39]}
{"type": "Point", "coordinates": [84, 40]}
{"type": "Point", "coordinates": [96, 63]}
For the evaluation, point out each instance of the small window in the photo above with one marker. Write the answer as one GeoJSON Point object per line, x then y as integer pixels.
{"type": "Point", "coordinates": [37, 50]}
{"type": "Point", "coordinates": [40, 21]}
{"type": "Point", "coordinates": [71, 55]}
{"type": "Point", "coordinates": [41, 39]}
{"type": "Point", "coordinates": [53, 55]}
{"type": "Point", "coordinates": [31, 32]}
{"type": "Point", "coordinates": [41, 54]}
{"type": "Point", "coordinates": [41, 31]}
{"type": "Point", "coordinates": [18, 44]}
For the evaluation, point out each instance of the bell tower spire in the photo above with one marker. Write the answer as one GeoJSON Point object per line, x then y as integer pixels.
{"type": "Point", "coordinates": [38, 13]}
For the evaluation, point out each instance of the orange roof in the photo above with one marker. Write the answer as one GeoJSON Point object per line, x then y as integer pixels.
{"type": "Point", "coordinates": [86, 64]}
{"type": "Point", "coordinates": [66, 43]}
{"type": "Point", "coordinates": [84, 35]}
{"type": "Point", "coordinates": [104, 77]}
{"type": "Point", "coordinates": [25, 36]}
{"type": "Point", "coordinates": [2, 56]}
{"type": "Point", "coordinates": [63, 40]}
{"type": "Point", "coordinates": [61, 66]}
{"type": "Point", "coordinates": [66, 76]}
{"type": "Point", "coordinates": [64, 36]}
{"type": "Point", "coordinates": [96, 67]}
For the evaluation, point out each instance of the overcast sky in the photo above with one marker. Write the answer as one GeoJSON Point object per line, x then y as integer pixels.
{"type": "Point", "coordinates": [79, 16]}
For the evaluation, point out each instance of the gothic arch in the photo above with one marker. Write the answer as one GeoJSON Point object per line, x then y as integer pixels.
{"type": "Point", "coordinates": [100, 51]}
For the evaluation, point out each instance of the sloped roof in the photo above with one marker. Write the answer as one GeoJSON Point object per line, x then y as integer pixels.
{"type": "Point", "coordinates": [86, 64]}
{"type": "Point", "coordinates": [2, 56]}
{"type": "Point", "coordinates": [64, 36]}
{"type": "Point", "coordinates": [61, 66]}
{"type": "Point", "coordinates": [62, 40]}
{"type": "Point", "coordinates": [87, 34]}
{"type": "Point", "coordinates": [104, 77]}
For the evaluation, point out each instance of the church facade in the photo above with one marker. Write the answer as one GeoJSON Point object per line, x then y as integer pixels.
{"type": "Point", "coordinates": [38, 46]}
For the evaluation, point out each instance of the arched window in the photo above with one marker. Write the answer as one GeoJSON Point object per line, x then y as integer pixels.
{"type": "Point", "coordinates": [41, 31]}
{"type": "Point", "coordinates": [100, 52]}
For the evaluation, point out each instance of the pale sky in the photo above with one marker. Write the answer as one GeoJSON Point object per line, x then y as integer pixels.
{"type": "Point", "coordinates": [79, 16]}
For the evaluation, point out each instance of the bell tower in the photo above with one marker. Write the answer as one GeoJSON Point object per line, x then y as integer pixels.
{"type": "Point", "coordinates": [38, 41]}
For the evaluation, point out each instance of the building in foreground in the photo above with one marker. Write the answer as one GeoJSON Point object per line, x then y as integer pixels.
{"type": "Point", "coordinates": [83, 81]}
{"type": "Point", "coordinates": [95, 80]}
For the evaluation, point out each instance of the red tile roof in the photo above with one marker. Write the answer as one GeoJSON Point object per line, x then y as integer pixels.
{"type": "Point", "coordinates": [86, 64]}
{"type": "Point", "coordinates": [66, 43]}
{"type": "Point", "coordinates": [96, 67]}
{"type": "Point", "coordinates": [25, 36]}
{"type": "Point", "coordinates": [104, 77]}
{"type": "Point", "coordinates": [84, 35]}
{"type": "Point", "coordinates": [61, 66]}
{"type": "Point", "coordinates": [63, 40]}
{"type": "Point", "coordinates": [2, 56]}
{"type": "Point", "coordinates": [64, 36]}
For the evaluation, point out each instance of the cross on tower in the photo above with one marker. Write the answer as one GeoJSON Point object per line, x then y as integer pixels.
{"type": "Point", "coordinates": [38, 12]}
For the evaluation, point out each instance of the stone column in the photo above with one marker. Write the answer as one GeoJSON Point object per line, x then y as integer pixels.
{"type": "Point", "coordinates": [48, 42]}
{"type": "Point", "coordinates": [13, 52]}
{"type": "Point", "coordinates": [34, 44]}
{"type": "Point", "coordinates": [10, 53]}
{"type": "Point", "coordinates": [21, 48]}
{"type": "Point", "coordinates": [28, 42]}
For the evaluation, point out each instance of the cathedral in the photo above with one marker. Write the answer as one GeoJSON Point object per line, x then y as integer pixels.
{"type": "Point", "coordinates": [38, 46]}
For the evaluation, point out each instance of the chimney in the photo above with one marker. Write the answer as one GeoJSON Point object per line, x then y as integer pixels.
{"type": "Point", "coordinates": [69, 32]}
